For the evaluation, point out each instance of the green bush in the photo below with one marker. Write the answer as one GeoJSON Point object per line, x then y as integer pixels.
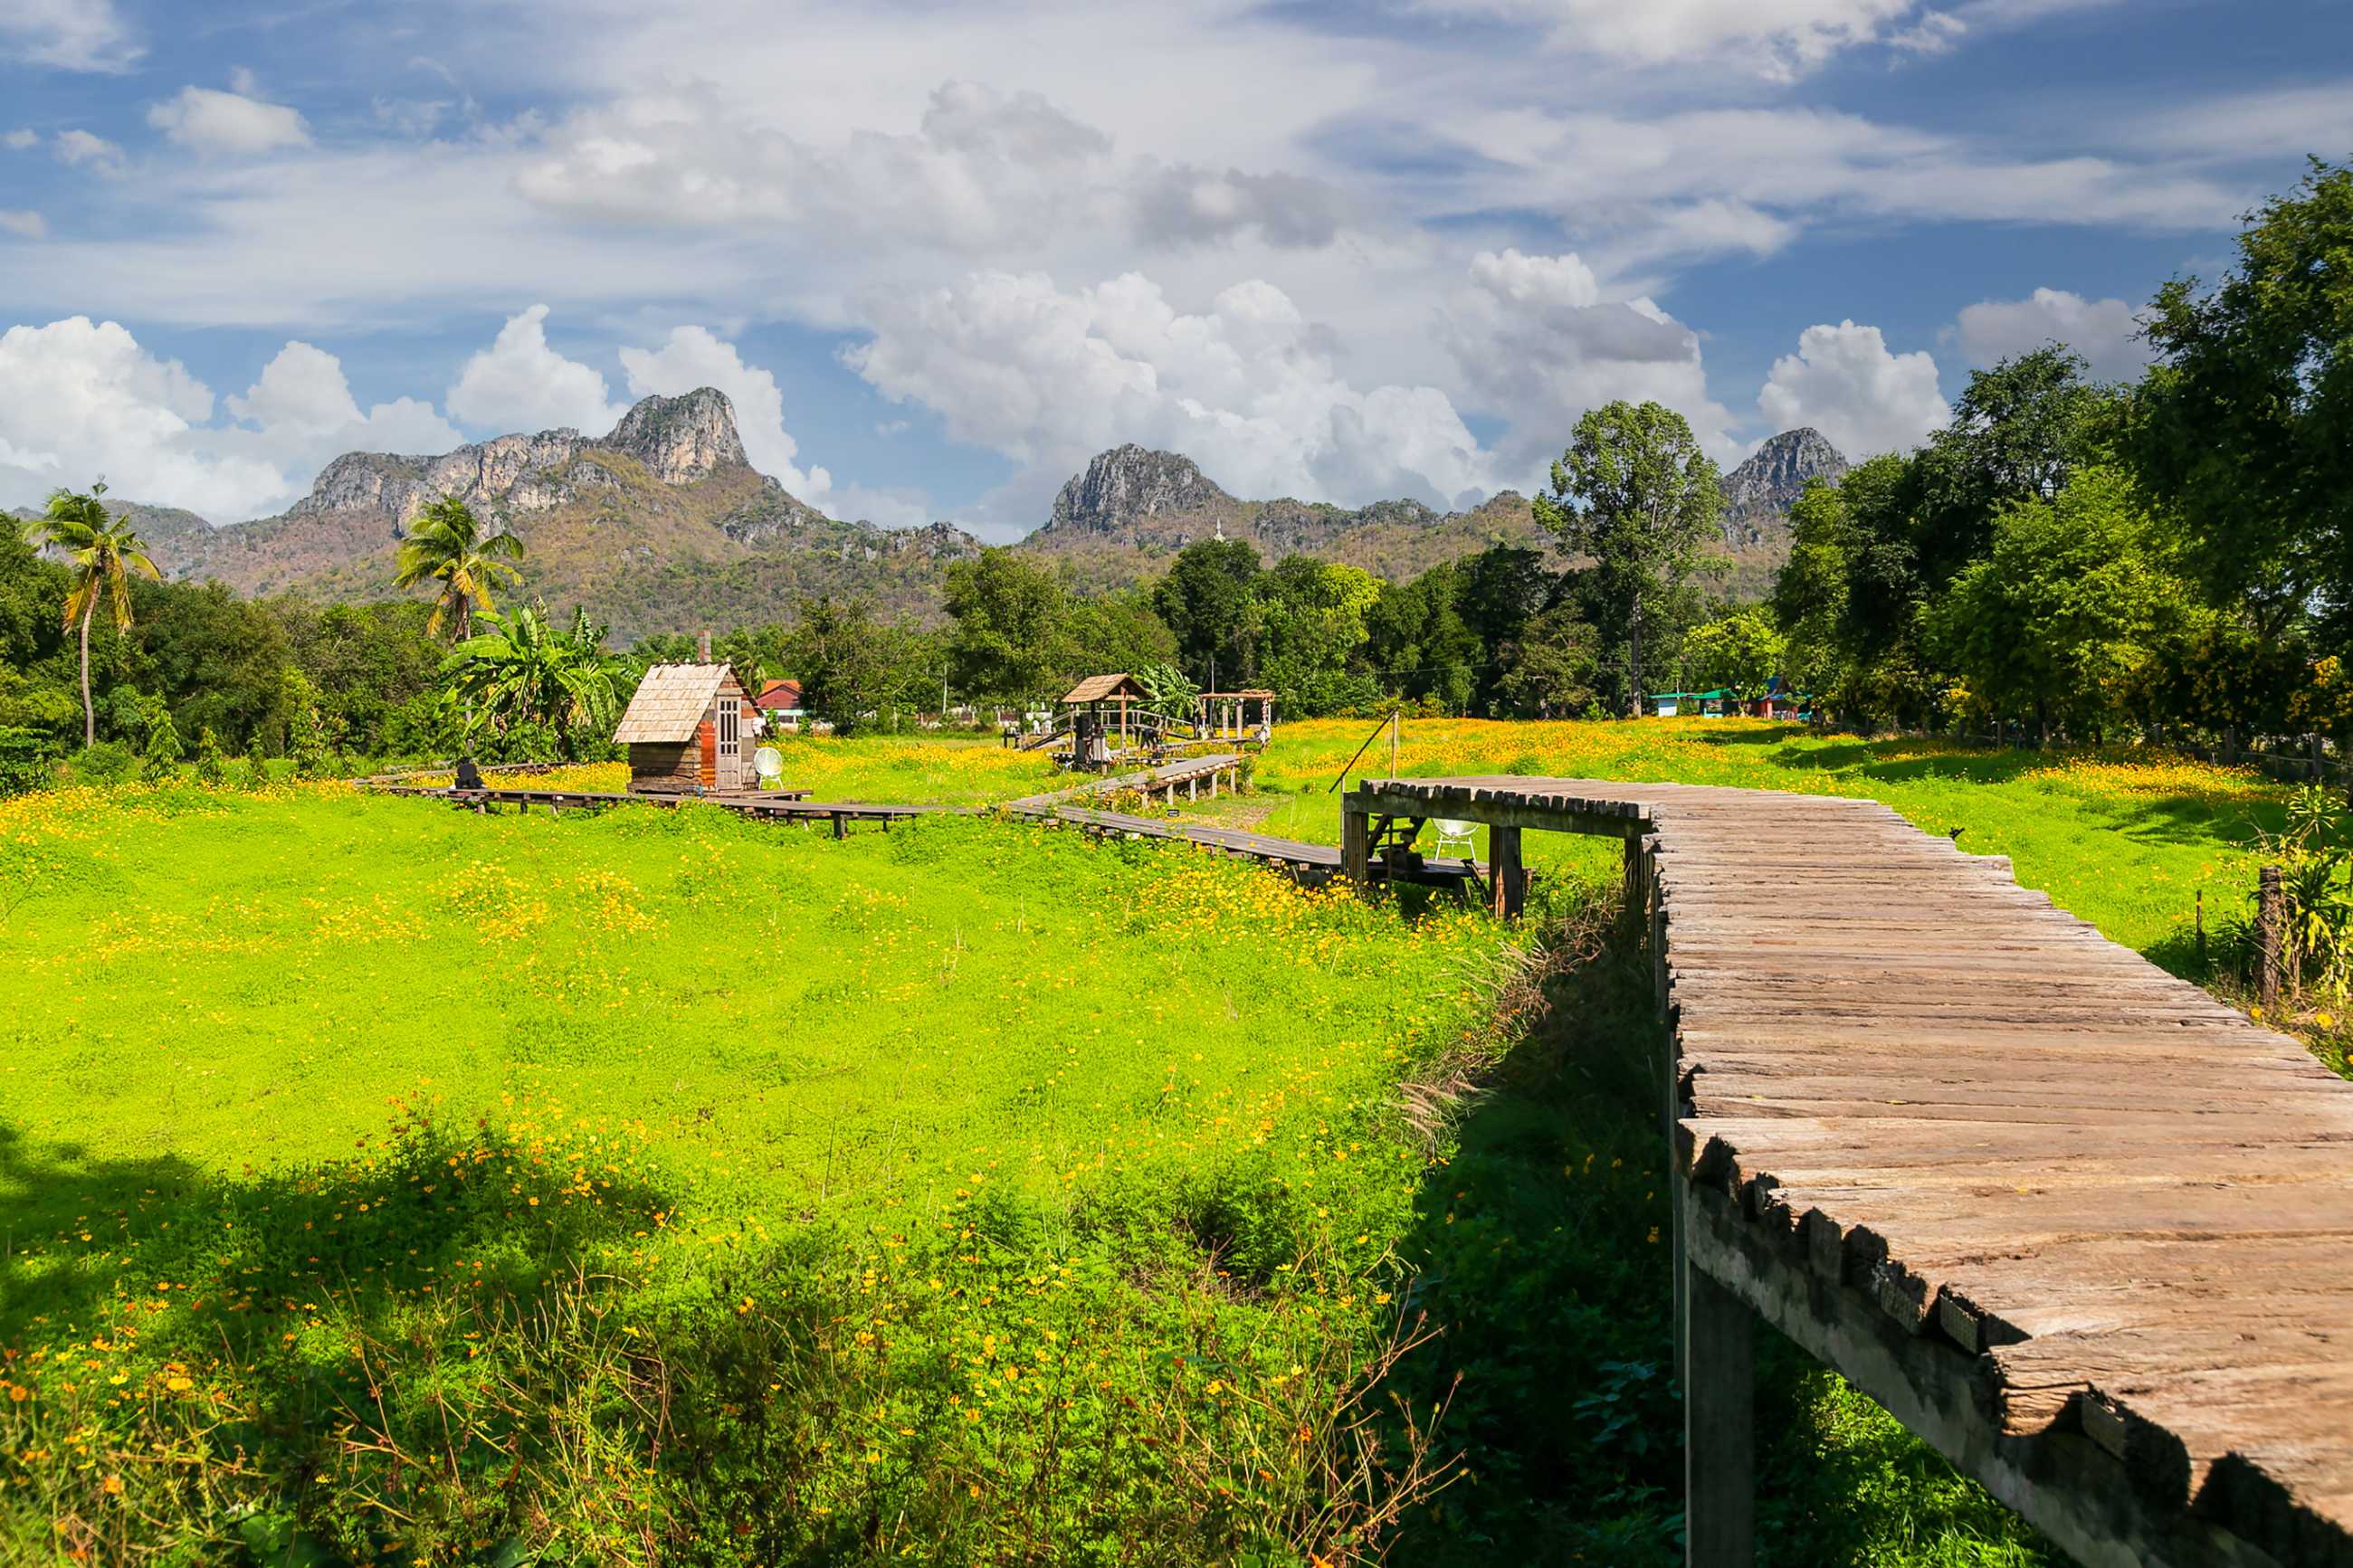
{"type": "Point", "coordinates": [106, 762]}
{"type": "Point", "coordinates": [27, 759]}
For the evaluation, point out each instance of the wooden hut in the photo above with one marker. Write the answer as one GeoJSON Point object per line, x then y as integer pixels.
{"type": "Point", "coordinates": [686, 729]}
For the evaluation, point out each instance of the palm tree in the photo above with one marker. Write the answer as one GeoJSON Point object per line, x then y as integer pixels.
{"type": "Point", "coordinates": [104, 553]}
{"type": "Point", "coordinates": [445, 544]}
{"type": "Point", "coordinates": [524, 672]}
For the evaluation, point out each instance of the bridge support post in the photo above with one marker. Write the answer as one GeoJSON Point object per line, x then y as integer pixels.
{"type": "Point", "coordinates": [1356, 844]}
{"type": "Point", "coordinates": [1716, 1334]}
{"type": "Point", "coordinates": [1506, 871]}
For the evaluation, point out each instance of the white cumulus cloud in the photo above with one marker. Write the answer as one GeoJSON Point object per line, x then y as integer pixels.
{"type": "Point", "coordinates": [2103, 331]}
{"type": "Point", "coordinates": [24, 222]}
{"type": "Point", "coordinates": [210, 120]}
{"type": "Point", "coordinates": [1246, 388]}
{"type": "Point", "coordinates": [1845, 382]}
{"type": "Point", "coordinates": [82, 149]}
{"type": "Point", "coordinates": [82, 400]}
{"type": "Point", "coordinates": [1539, 343]}
{"type": "Point", "coordinates": [520, 384]}
{"type": "Point", "coordinates": [71, 35]}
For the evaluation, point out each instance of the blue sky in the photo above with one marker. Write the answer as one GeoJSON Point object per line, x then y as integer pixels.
{"type": "Point", "coordinates": [938, 255]}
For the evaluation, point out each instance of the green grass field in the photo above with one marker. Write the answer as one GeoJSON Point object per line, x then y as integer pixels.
{"type": "Point", "coordinates": [385, 1183]}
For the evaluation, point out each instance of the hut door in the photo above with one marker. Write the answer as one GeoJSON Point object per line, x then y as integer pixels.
{"type": "Point", "coordinates": [730, 742]}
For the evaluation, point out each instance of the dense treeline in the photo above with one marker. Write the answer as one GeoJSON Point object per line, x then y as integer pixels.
{"type": "Point", "coordinates": [2087, 559]}
{"type": "Point", "coordinates": [2064, 557]}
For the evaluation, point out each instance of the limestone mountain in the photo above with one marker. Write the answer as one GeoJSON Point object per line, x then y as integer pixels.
{"type": "Point", "coordinates": [1757, 494]}
{"type": "Point", "coordinates": [1131, 508]}
{"type": "Point", "coordinates": [660, 525]}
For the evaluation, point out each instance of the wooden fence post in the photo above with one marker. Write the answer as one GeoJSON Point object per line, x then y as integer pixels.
{"type": "Point", "coordinates": [2230, 745]}
{"type": "Point", "coordinates": [2319, 766]}
{"type": "Point", "coordinates": [2270, 916]}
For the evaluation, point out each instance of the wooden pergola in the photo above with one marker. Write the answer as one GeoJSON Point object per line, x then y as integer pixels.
{"type": "Point", "coordinates": [1224, 714]}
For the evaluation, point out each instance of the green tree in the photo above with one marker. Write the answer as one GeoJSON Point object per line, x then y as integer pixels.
{"type": "Point", "coordinates": [1549, 670]}
{"type": "Point", "coordinates": [1206, 600]}
{"type": "Point", "coordinates": [103, 553]}
{"type": "Point", "coordinates": [1007, 640]}
{"type": "Point", "coordinates": [1809, 593]}
{"type": "Point", "coordinates": [1741, 652]}
{"type": "Point", "coordinates": [2245, 425]}
{"type": "Point", "coordinates": [2063, 618]}
{"type": "Point", "coordinates": [2018, 430]}
{"type": "Point", "coordinates": [1111, 632]}
{"type": "Point", "coordinates": [447, 545]}
{"type": "Point", "coordinates": [161, 749]}
{"type": "Point", "coordinates": [1312, 617]}
{"type": "Point", "coordinates": [853, 665]}
{"type": "Point", "coordinates": [1636, 495]}
{"type": "Point", "coordinates": [525, 679]}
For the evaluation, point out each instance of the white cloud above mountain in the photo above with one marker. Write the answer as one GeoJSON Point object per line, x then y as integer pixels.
{"type": "Point", "coordinates": [1844, 382]}
{"type": "Point", "coordinates": [520, 383]}
{"type": "Point", "coordinates": [1246, 385]}
{"type": "Point", "coordinates": [1539, 341]}
{"type": "Point", "coordinates": [2105, 332]}
{"type": "Point", "coordinates": [82, 400]}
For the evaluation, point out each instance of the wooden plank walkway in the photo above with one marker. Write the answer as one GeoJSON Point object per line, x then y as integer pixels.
{"type": "Point", "coordinates": [2074, 1221]}
{"type": "Point", "coordinates": [1311, 863]}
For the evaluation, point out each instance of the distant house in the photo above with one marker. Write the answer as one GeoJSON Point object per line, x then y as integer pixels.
{"type": "Point", "coordinates": [1707, 704]}
{"type": "Point", "coordinates": [686, 729]}
{"type": "Point", "coordinates": [780, 704]}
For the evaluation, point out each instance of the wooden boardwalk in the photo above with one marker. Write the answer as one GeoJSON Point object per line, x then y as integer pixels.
{"type": "Point", "coordinates": [1312, 865]}
{"type": "Point", "coordinates": [2077, 1223]}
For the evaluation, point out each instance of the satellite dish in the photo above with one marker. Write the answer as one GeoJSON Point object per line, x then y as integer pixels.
{"type": "Point", "coordinates": [767, 763]}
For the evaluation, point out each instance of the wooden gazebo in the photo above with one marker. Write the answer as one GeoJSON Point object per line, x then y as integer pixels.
{"type": "Point", "coordinates": [1106, 699]}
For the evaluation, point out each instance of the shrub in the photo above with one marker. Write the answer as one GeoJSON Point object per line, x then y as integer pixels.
{"type": "Point", "coordinates": [162, 750]}
{"type": "Point", "coordinates": [212, 768]}
{"type": "Point", "coordinates": [28, 757]}
{"type": "Point", "coordinates": [256, 764]}
{"type": "Point", "coordinates": [105, 762]}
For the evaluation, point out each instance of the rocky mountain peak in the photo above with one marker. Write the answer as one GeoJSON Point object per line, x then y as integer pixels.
{"type": "Point", "coordinates": [1780, 471]}
{"type": "Point", "coordinates": [1129, 485]}
{"type": "Point", "coordinates": [1758, 493]}
{"type": "Point", "coordinates": [681, 440]}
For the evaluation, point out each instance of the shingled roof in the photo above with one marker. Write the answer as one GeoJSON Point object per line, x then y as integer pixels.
{"type": "Point", "coordinates": [670, 701]}
{"type": "Point", "coordinates": [1096, 688]}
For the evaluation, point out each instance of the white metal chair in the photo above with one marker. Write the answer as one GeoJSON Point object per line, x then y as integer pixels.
{"type": "Point", "coordinates": [1455, 838]}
